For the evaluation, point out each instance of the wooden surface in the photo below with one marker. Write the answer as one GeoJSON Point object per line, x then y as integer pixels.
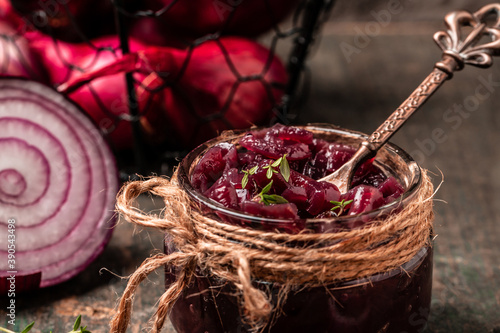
{"type": "Point", "coordinates": [358, 92]}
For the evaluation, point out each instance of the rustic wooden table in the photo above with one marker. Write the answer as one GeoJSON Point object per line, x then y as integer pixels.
{"type": "Point", "coordinates": [362, 68]}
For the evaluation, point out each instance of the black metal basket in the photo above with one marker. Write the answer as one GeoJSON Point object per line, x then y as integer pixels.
{"type": "Point", "coordinates": [288, 35]}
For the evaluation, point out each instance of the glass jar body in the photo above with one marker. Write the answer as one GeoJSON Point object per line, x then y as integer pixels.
{"type": "Point", "coordinates": [394, 301]}
{"type": "Point", "coordinates": [398, 301]}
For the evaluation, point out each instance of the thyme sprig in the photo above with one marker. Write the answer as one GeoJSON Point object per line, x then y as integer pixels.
{"type": "Point", "coordinates": [264, 198]}
{"type": "Point", "coordinates": [340, 205]}
{"type": "Point", "coordinates": [247, 173]}
{"type": "Point", "coordinates": [284, 168]}
{"type": "Point", "coordinates": [76, 327]}
{"type": "Point", "coordinates": [281, 163]}
{"type": "Point", "coordinates": [271, 168]}
{"type": "Point", "coordinates": [79, 329]}
{"type": "Point", "coordinates": [268, 199]}
{"type": "Point", "coordinates": [26, 329]}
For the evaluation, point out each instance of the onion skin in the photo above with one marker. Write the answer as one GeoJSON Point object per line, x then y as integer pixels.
{"type": "Point", "coordinates": [104, 100]}
{"type": "Point", "coordinates": [61, 184]}
{"type": "Point", "coordinates": [66, 61]}
{"type": "Point", "coordinates": [16, 57]}
{"type": "Point", "coordinates": [200, 91]}
{"type": "Point", "coordinates": [206, 85]}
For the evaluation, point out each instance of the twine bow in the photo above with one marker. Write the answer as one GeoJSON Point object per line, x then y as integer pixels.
{"type": "Point", "coordinates": [178, 223]}
{"type": "Point", "coordinates": [240, 255]}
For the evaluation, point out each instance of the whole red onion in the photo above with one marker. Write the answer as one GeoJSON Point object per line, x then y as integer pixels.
{"type": "Point", "coordinates": [228, 83]}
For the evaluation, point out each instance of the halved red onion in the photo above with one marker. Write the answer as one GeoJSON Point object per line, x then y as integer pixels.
{"type": "Point", "coordinates": [58, 181]}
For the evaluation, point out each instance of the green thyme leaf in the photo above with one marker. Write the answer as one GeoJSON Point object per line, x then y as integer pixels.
{"type": "Point", "coordinates": [282, 163]}
{"type": "Point", "coordinates": [268, 199]}
{"type": "Point", "coordinates": [285, 168]}
{"type": "Point", "coordinates": [270, 170]}
{"type": "Point", "coordinates": [277, 162]}
{"type": "Point", "coordinates": [267, 188]}
{"type": "Point", "coordinates": [28, 328]}
{"type": "Point", "coordinates": [273, 199]}
{"type": "Point", "coordinates": [269, 173]}
{"type": "Point", "coordinates": [247, 173]}
{"type": "Point", "coordinates": [340, 205]}
{"type": "Point", "coordinates": [244, 180]}
{"type": "Point", "coordinates": [77, 323]}
{"type": "Point", "coordinates": [74, 330]}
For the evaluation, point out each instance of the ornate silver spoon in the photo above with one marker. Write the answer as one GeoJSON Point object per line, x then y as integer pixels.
{"type": "Point", "coordinates": [456, 53]}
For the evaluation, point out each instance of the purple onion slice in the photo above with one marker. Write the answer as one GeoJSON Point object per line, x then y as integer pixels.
{"type": "Point", "coordinates": [58, 182]}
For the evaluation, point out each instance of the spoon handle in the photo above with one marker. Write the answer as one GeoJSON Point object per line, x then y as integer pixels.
{"type": "Point", "coordinates": [385, 131]}
{"type": "Point", "coordinates": [457, 51]}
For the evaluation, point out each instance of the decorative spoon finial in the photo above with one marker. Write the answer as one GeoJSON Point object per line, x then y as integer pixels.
{"type": "Point", "coordinates": [484, 23]}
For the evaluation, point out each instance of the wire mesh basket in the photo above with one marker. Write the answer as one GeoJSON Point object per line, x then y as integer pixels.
{"type": "Point", "coordinates": [159, 77]}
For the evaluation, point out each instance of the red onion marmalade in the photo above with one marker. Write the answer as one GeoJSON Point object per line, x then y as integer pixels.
{"type": "Point", "coordinates": [236, 178]}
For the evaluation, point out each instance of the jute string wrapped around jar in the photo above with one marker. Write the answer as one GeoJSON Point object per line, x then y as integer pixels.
{"type": "Point", "coordinates": [240, 255]}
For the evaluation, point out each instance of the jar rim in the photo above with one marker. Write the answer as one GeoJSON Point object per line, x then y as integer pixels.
{"type": "Point", "coordinates": [412, 183]}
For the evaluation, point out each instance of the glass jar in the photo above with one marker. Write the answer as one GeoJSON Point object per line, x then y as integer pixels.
{"type": "Point", "coordinates": [394, 301]}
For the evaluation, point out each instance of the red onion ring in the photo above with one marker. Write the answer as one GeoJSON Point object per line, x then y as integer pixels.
{"type": "Point", "coordinates": [58, 181]}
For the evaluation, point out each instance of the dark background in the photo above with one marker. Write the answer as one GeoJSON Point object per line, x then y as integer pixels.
{"type": "Point", "coordinates": [358, 91]}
